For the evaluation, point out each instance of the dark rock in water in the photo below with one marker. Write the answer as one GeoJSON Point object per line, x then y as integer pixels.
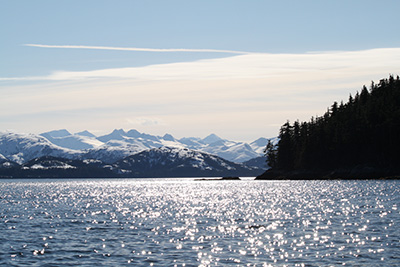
{"type": "Point", "coordinates": [219, 179]}
{"type": "Point", "coordinates": [230, 178]}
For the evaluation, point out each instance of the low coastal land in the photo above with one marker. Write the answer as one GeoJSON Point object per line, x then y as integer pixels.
{"type": "Point", "coordinates": [357, 173]}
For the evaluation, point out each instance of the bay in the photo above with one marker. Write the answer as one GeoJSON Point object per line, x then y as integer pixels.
{"type": "Point", "coordinates": [183, 222]}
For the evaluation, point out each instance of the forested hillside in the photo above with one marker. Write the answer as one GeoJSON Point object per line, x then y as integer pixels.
{"type": "Point", "coordinates": [363, 133]}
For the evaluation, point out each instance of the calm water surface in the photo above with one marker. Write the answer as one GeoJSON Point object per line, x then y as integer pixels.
{"type": "Point", "coordinates": [182, 222]}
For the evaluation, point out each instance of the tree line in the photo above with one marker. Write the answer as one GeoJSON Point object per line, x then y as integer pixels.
{"type": "Point", "coordinates": [364, 131]}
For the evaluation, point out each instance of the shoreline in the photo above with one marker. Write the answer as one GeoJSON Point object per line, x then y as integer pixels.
{"type": "Point", "coordinates": [342, 174]}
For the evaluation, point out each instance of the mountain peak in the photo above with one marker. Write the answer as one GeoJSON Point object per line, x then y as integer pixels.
{"type": "Point", "coordinates": [118, 131]}
{"type": "Point", "coordinates": [168, 137]}
{"type": "Point", "coordinates": [85, 133]}
{"type": "Point", "coordinates": [133, 133]}
{"type": "Point", "coordinates": [57, 133]}
{"type": "Point", "coordinates": [117, 134]}
{"type": "Point", "coordinates": [211, 139]}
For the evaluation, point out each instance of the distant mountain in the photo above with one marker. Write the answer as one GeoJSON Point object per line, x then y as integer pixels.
{"type": "Point", "coordinates": [117, 145]}
{"type": "Point", "coordinates": [115, 135]}
{"type": "Point", "coordinates": [20, 148]}
{"type": "Point", "coordinates": [259, 162]}
{"type": "Point", "coordinates": [6, 164]}
{"type": "Point", "coordinates": [156, 162]}
{"type": "Point", "coordinates": [192, 142]}
{"type": "Point", "coordinates": [54, 167]}
{"type": "Point", "coordinates": [259, 145]}
{"type": "Point", "coordinates": [213, 144]}
{"type": "Point", "coordinates": [81, 141]}
{"type": "Point", "coordinates": [177, 162]}
{"type": "Point", "coordinates": [230, 150]}
{"type": "Point", "coordinates": [212, 138]}
{"type": "Point", "coordinates": [57, 133]}
{"type": "Point", "coordinates": [86, 133]}
{"type": "Point", "coordinates": [168, 137]}
{"type": "Point", "coordinates": [113, 151]}
{"type": "Point", "coordinates": [133, 137]}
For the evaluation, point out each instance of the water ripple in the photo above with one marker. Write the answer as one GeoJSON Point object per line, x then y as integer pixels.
{"type": "Point", "coordinates": [181, 222]}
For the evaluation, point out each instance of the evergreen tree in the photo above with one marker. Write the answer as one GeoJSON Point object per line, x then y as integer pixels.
{"type": "Point", "coordinates": [363, 131]}
{"type": "Point", "coordinates": [270, 152]}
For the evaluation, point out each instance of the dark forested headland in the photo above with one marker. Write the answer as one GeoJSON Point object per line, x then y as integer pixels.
{"type": "Point", "coordinates": [359, 139]}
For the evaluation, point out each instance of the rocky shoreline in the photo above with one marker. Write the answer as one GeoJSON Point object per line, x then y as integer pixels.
{"type": "Point", "coordinates": [356, 173]}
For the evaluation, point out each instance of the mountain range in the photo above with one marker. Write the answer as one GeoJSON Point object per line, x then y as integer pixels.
{"type": "Point", "coordinates": [113, 152]}
{"type": "Point", "coordinates": [119, 143]}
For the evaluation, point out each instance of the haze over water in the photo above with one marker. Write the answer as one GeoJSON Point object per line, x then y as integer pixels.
{"type": "Point", "coordinates": [182, 222]}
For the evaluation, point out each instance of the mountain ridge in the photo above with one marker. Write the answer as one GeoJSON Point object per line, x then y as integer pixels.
{"type": "Point", "coordinates": [19, 149]}
{"type": "Point", "coordinates": [157, 162]}
{"type": "Point", "coordinates": [231, 150]}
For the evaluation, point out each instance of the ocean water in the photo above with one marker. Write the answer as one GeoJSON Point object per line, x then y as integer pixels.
{"type": "Point", "coordinates": [183, 222]}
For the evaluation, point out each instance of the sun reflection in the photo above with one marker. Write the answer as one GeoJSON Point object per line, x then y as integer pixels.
{"type": "Point", "coordinates": [171, 222]}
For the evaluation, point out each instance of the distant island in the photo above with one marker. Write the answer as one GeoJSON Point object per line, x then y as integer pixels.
{"type": "Point", "coordinates": [230, 178]}
{"type": "Point", "coordinates": [359, 139]}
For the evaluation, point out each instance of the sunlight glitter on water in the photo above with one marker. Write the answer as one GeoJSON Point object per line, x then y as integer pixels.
{"type": "Point", "coordinates": [199, 223]}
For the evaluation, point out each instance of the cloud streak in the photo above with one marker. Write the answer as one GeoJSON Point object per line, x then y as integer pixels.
{"type": "Point", "coordinates": [137, 49]}
{"type": "Point", "coordinates": [296, 67]}
{"type": "Point", "coordinates": [237, 96]}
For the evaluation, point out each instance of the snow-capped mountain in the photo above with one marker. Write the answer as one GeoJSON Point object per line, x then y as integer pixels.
{"type": "Point", "coordinates": [230, 150]}
{"type": "Point", "coordinates": [156, 162]}
{"type": "Point", "coordinates": [20, 148]}
{"type": "Point", "coordinates": [178, 162]}
{"type": "Point", "coordinates": [117, 145]}
{"type": "Point", "coordinates": [113, 150]}
{"type": "Point", "coordinates": [54, 167]}
{"type": "Point", "coordinates": [260, 144]}
{"type": "Point", "coordinates": [79, 141]}
{"type": "Point", "coordinates": [212, 138]}
{"type": "Point", "coordinates": [86, 133]}
{"type": "Point", "coordinates": [6, 164]}
{"type": "Point", "coordinates": [124, 154]}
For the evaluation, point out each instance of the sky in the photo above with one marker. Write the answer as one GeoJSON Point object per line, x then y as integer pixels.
{"type": "Point", "coordinates": [239, 69]}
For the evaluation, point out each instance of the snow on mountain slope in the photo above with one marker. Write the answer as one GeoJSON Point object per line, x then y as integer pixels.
{"type": "Point", "coordinates": [86, 133]}
{"type": "Point", "coordinates": [192, 142]}
{"type": "Point", "coordinates": [119, 144]}
{"type": "Point", "coordinates": [115, 135]}
{"type": "Point", "coordinates": [24, 147]}
{"type": "Point", "coordinates": [6, 164]}
{"type": "Point", "coordinates": [2, 158]}
{"type": "Point", "coordinates": [212, 138]}
{"type": "Point", "coordinates": [113, 150]}
{"type": "Point", "coordinates": [133, 137]}
{"type": "Point", "coordinates": [46, 163]}
{"type": "Point", "coordinates": [213, 144]}
{"type": "Point", "coordinates": [64, 139]}
{"type": "Point", "coordinates": [231, 150]}
{"type": "Point", "coordinates": [178, 162]}
{"type": "Point", "coordinates": [75, 142]}
{"type": "Point", "coordinates": [58, 133]}
{"type": "Point", "coordinates": [260, 144]}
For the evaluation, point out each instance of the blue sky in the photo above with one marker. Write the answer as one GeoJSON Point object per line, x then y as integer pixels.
{"type": "Point", "coordinates": [74, 64]}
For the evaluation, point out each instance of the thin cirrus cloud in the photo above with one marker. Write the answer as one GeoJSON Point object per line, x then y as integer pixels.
{"type": "Point", "coordinates": [246, 93]}
{"type": "Point", "coordinates": [137, 49]}
{"type": "Point", "coordinates": [290, 67]}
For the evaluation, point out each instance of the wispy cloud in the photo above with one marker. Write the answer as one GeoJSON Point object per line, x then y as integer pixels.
{"type": "Point", "coordinates": [295, 67]}
{"type": "Point", "coordinates": [237, 95]}
{"type": "Point", "coordinates": [138, 49]}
